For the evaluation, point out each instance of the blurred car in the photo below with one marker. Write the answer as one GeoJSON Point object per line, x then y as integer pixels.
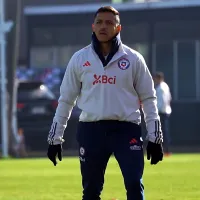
{"type": "Point", "coordinates": [35, 100]}
{"type": "Point", "coordinates": [36, 106]}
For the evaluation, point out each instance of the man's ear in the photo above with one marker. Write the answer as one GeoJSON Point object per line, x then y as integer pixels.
{"type": "Point", "coordinates": [93, 27]}
{"type": "Point", "coordinates": [119, 28]}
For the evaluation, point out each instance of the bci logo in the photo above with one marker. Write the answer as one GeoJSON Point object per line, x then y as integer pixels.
{"type": "Point", "coordinates": [104, 79]}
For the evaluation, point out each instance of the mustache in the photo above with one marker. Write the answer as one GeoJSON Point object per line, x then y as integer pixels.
{"type": "Point", "coordinates": [103, 31]}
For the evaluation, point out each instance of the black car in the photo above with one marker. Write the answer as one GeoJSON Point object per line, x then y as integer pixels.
{"type": "Point", "coordinates": [36, 106]}
{"type": "Point", "coordinates": [35, 101]}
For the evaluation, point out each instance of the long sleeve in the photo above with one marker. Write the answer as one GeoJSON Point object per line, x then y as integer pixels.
{"type": "Point", "coordinates": [69, 91]}
{"type": "Point", "coordinates": [145, 89]}
{"type": "Point", "coordinates": [163, 98]}
{"type": "Point", "coordinates": [160, 98]}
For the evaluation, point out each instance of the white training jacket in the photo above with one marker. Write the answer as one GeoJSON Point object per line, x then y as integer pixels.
{"type": "Point", "coordinates": [163, 98]}
{"type": "Point", "coordinates": [113, 92]}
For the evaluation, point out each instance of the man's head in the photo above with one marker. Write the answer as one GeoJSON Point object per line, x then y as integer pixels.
{"type": "Point", "coordinates": [106, 23]}
{"type": "Point", "coordinates": [158, 77]}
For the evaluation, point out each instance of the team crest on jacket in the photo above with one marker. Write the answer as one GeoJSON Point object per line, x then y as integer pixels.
{"type": "Point", "coordinates": [123, 63]}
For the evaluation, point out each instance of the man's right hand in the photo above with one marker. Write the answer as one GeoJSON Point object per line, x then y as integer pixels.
{"type": "Point", "coordinates": [53, 151]}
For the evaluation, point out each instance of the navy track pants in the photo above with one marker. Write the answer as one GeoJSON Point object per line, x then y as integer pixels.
{"type": "Point", "coordinates": [97, 142]}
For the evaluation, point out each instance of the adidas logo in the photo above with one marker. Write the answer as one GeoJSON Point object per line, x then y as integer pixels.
{"type": "Point", "coordinates": [133, 141]}
{"type": "Point", "coordinates": [87, 64]}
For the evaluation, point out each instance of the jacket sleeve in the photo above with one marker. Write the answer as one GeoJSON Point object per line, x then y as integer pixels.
{"type": "Point", "coordinates": [144, 86]}
{"type": "Point", "coordinates": [69, 91]}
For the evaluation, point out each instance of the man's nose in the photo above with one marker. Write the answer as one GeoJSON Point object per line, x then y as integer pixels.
{"type": "Point", "coordinates": [103, 26]}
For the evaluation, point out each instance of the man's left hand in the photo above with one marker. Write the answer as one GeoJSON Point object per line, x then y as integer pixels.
{"type": "Point", "coordinates": [154, 152]}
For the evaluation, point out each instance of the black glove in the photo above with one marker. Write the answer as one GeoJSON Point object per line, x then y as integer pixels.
{"type": "Point", "coordinates": [154, 152]}
{"type": "Point", "coordinates": [53, 151]}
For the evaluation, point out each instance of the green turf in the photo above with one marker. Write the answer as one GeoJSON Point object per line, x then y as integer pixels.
{"type": "Point", "coordinates": [176, 178]}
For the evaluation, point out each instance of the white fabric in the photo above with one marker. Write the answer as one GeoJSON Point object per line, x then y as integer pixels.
{"type": "Point", "coordinates": [163, 98]}
{"type": "Point", "coordinates": [107, 93]}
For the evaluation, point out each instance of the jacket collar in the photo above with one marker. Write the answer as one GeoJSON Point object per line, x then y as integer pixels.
{"type": "Point", "coordinates": [116, 45]}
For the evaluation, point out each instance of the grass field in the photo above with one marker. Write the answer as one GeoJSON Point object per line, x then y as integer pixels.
{"type": "Point", "coordinates": [176, 178]}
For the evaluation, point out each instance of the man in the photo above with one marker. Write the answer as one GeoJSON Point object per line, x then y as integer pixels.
{"type": "Point", "coordinates": [164, 100]}
{"type": "Point", "coordinates": [108, 79]}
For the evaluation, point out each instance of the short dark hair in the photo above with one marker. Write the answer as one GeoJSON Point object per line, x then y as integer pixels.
{"type": "Point", "coordinates": [108, 9]}
{"type": "Point", "coordinates": [160, 75]}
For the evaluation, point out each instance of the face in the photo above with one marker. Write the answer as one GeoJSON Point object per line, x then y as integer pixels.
{"type": "Point", "coordinates": [156, 80]}
{"type": "Point", "coordinates": [106, 26]}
